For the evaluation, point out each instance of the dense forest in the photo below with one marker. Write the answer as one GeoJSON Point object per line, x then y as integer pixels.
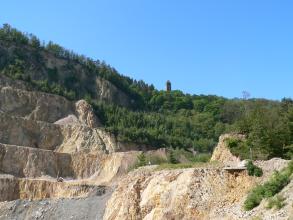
{"type": "Point", "coordinates": [157, 118]}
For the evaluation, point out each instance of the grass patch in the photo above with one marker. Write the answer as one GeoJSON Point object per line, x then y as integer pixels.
{"type": "Point", "coordinates": [172, 160]}
{"type": "Point", "coordinates": [199, 157]}
{"type": "Point", "coordinates": [267, 190]}
{"type": "Point", "coordinates": [256, 218]}
{"type": "Point", "coordinates": [169, 166]}
{"type": "Point", "coordinates": [155, 160]}
{"type": "Point", "coordinates": [277, 202]}
{"type": "Point", "coordinates": [202, 158]}
{"type": "Point", "coordinates": [144, 159]}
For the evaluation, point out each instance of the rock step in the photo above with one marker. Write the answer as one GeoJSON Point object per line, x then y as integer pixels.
{"type": "Point", "coordinates": [26, 162]}
{"type": "Point", "coordinates": [16, 84]}
{"type": "Point", "coordinates": [12, 188]}
{"type": "Point", "coordinates": [62, 138]}
{"type": "Point", "coordinates": [46, 107]}
{"type": "Point", "coordinates": [22, 161]}
{"type": "Point", "coordinates": [34, 105]}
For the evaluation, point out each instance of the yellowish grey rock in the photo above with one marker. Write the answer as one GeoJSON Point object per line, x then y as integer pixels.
{"type": "Point", "coordinates": [222, 153]}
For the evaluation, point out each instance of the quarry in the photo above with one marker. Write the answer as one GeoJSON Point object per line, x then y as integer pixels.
{"type": "Point", "coordinates": [57, 162]}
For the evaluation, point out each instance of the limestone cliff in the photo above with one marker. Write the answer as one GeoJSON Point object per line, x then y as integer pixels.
{"type": "Point", "coordinates": [67, 138]}
{"type": "Point", "coordinates": [45, 107]}
{"type": "Point", "coordinates": [12, 188]}
{"type": "Point", "coordinates": [110, 93]}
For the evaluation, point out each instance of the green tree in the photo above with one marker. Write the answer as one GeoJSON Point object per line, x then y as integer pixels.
{"type": "Point", "coordinates": [172, 158]}
{"type": "Point", "coordinates": [141, 159]}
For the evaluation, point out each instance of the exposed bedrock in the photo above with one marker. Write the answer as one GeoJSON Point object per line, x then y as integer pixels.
{"type": "Point", "coordinates": [31, 162]}
{"type": "Point", "coordinates": [98, 168]}
{"type": "Point", "coordinates": [62, 138]}
{"type": "Point", "coordinates": [45, 107]}
{"type": "Point", "coordinates": [176, 194]}
{"type": "Point", "coordinates": [12, 188]}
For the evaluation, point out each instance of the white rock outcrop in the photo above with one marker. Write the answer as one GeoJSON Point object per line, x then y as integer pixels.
{"type": "Point", "coordinates": [222, 153]}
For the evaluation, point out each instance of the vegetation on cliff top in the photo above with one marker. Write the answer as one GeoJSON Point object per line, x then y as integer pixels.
{"type": "Point", "coordinates": [157, 118]}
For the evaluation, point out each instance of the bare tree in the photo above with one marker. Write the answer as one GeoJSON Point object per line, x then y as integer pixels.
{"type": "Point", "coordinates": [245, 95]}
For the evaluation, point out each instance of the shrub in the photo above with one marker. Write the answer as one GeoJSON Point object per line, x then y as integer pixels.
{"type": "Point", "coordinates": [53, 74]}
{"type": "Point", "coordinates": [238, 148]}
{"type": "Point", "coordinates": [254, 198]}
{"type": "Point", "coordinates": [204, 145]}
{"type": "Point", "coordinates": [289, 152]}
{"type": "Point", "coordinates": [253, 170]}
{"type": "Point", "coordinates": [273, 186]}
{"type": "Point", "coordinates": [15, 70]}
{"type": "Point", "coordinates": [203, 158]}
{"type": "Point", "coordinates": [232, 143]}
{"type": "Point", "coordinates": [155, 160]}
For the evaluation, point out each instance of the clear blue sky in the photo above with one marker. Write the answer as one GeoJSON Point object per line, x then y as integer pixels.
{"type": "Point", "coordinates": [217, 47]}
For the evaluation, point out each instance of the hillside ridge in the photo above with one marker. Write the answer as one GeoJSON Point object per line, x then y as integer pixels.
{"type": "Point", "coordinates": [135, 112]}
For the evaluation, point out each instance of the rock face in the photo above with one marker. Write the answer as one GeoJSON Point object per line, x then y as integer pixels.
{"type": "Point", "coordinates": [110, 93]}
{"type": "Point", "coordinates": [62, 138]}
{"type": "Point", "coordinates": [52, 148]}
{"type": "Point", "coordinates": [45, 107]}
{"type": "Point", "coordinates": [31, 162]}
{"type": "Point", "coordinates": [222, 153]}
{"type": "Point", "coordinates": [86, 114]}
{"type": "Point", "coordinates": [36, 189]}
{"type": "Point", "coordinates": [176, 194]}
{"type": "Point", "coordinates": [34, 105]}
{"type": "Point", "coordinates": [16, 84]}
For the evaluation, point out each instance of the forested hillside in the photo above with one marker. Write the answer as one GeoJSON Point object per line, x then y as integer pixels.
{"type": "Point", "coordinates": [137, 112]}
